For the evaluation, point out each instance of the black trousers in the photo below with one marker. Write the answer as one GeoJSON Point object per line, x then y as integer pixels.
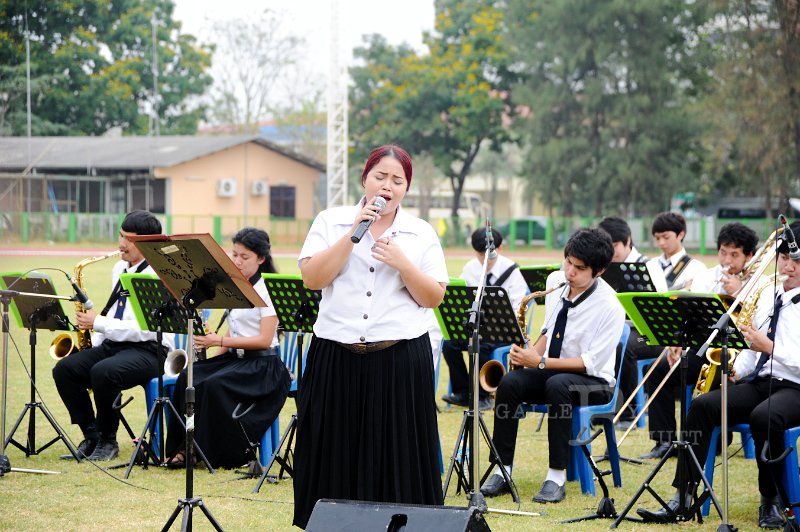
{"type": "Point", "coordinates": [661, 412]}
{"type": "Point", "coordinates": [636, 349]}
{"type": "Point", "coordinates": [459, 373]}
{"type": "Point", "coordinates": [560, 391]}
{"type": "Point", "coordinates": [106, 369]}
{"type": "Point", "coordinates": [769, 416]}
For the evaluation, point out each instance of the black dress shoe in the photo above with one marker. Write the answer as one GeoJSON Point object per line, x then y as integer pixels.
{"type": "Point", "coordinates": [657, 452]}
{"type": "Point", "coordinates": [106, 449]}
{"type": "Point", "coordinates": [494, 486]}
{"type": "Point", "coordinates": [485, 403]}
{"type": "Point", "coordinates": [664, 516]}
{"type": "Point", "coordinates": [455, 399]}
{"type": "Point", "coordinates": [84, 449]}
{"type": "Point", "coordinates": [550, 492]}
{"type": "Point", "coordinates": [770, 516]}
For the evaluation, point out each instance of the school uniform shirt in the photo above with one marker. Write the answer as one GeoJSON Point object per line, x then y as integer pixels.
{"type": "Point", "coordinates": [367, 301]}
{"type": "Point", "coordinates": [785, 363]}
{"type": "Point", "coordinates": [690, 271]}
{"type": "Point", "coordinates": [515, 285]}
{"type": "Point", "coordinates": [125, 329]}
{"type": "Point", "coordinates": [593, 327]}
{"type": "Point", "coordinates": [654, 270]}
{"type": "Point", "coordinates": [247, 321]}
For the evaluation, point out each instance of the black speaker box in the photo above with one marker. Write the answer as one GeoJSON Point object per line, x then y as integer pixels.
{"type": "Point", "coordinates": [333, 515]}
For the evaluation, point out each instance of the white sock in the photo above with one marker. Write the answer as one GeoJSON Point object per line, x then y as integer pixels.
{"type": "Point", "coordinates": [559, 476]}
{"type": "Point", "coordinates": [499, 473]}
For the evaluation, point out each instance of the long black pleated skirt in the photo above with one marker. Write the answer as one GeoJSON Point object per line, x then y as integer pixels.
{"type": "Point", "coordinates": [221, 383]}
{"type": "Point", "coordinates": [367, 427]}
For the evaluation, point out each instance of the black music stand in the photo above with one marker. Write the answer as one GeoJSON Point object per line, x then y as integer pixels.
{"type": "Point", "coordinates": [536, 277]}
{"type": "Point", "coordinates": [35, 305]}
{"type": "Point", "coordinates": [199, 274]}
{"type": "Point", "coordinates": [498, 324]}
{"type": "Point", "coordinates": [297, 307]}
{"type": "Point", "coordinates": [629, 277]}
{"type": "Point", "coordinates": [156, 310]}
{"type": "Point", "coordinates": [681, 319]}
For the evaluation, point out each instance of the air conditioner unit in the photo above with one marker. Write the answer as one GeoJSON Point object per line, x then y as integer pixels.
{"type": "Point", "coordinates": [226, 188]}
{"type": "Point", "coordinates": [259, 188]}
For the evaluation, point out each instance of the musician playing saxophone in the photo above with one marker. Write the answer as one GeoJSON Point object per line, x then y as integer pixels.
{"type": "Point", "coordinates": [122, 356]}
{"type": "Point", "coordinates": [736, 244]}
{"type": "Point", "coordinates": [765, 395]}
{"type": "Point", "coordinates": [571, 364]}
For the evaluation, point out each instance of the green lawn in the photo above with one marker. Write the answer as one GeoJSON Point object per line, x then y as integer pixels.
{"type": "Point", "coordinates": [86, 497]}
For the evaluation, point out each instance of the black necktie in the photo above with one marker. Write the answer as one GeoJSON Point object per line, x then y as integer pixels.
{"type": "Point", "coordinates": [773, 323]}
{"type": "Point", "coordinates": [489, 279]}
{"type": "Point", "coordinates": [558, 330]}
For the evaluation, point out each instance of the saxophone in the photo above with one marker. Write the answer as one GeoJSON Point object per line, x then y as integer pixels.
{"type": "Point", "coordinates": [748, 298]}
{"type": "Point", "coordinates": [64, 344]}
{"type": "Point", "coordinates": [494, 370]}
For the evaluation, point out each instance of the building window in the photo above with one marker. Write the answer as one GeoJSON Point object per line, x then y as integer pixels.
{"type": "Point", "coordinates": [282, 201]}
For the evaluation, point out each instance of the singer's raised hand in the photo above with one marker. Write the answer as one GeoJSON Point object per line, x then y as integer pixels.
{"type": "Point", "coordinates": [388, 252]}
{"type": "Point", "coordinates": [370, 213]}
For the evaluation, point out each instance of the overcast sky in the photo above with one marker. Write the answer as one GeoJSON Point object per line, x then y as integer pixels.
{"type": "Point", "coordinates": [397, 21]}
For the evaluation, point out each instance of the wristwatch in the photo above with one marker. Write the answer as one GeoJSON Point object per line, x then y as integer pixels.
{"type": "Point", "coordinates": [541, 363]}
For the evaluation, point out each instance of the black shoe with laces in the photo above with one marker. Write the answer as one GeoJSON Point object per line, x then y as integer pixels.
{"type": "Point", "coordinates": [84, 449]}
{"type": "Point", "coordinates": [657, 452]}
{"type": "Point", "coordinates": [106, 449]}
{"type": "Point", "coordinates": [456, 399]}
{"type": "Point", "coordinates": [769, 513]}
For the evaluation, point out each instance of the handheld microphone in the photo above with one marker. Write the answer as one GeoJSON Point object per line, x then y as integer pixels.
{"type": "Point", "coordinates": [788, 236]}
{"type": "Point", "coordinates": [379, 202]}
{"type": "Point", "coordinates": [80, 295]}
{"type": "Point", "coordinates": [490, 241]}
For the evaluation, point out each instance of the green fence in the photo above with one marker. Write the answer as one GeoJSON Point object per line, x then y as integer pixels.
{"type": "Point", "coordinates": [518, 233]}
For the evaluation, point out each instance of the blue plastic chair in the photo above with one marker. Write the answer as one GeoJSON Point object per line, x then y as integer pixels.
{"type": "Point", "coordinates": [640, 398]}
{"type": "Point", "coordinates": [578, 468]}
{"type": "Point", "coordinates": [747, 445]}
{"type": "Point", "coordinates": [791, 468]}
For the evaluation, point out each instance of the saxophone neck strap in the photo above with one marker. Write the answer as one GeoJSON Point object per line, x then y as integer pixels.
{"type": "Point", "coordinates": [119, 292]}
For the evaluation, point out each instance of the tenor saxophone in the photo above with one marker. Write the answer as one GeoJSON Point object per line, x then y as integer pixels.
{"type": "Point", "coordinates": [64, 344]}
{"type": "Point", "coordinates": [494, 370]}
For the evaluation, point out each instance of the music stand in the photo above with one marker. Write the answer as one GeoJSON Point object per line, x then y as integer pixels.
{"type": "Point", "coordinates": [35, 305]}
{"type": "Point", "coordinates": [681, 319]}
{"type": "Point", "coordinates": [156, 310]}
{"type": "Point", "coordinates": [199, 274]}
{"type": "Point", "coordinates": [629, 277]}
{"type": "Point", "coordinates": [536, 277]}
{"type": "Point", "coordinates": [498, 325]}
{"type": "Point", "coordinates": [297, 307]}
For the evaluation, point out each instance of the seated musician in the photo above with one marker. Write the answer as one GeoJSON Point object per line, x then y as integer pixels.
{"type": "Point", "coordinates": [736, 244]}
{"type": "Point", "coordinates": [500, 271]}
{"type": "Point", "coordinates": [636, 348]}
{"type": "Point", "coordinates": [570, 364]}
{"type": "Point", "coordinates": [121, 355]}
{"type": "Point", "coordinates": [766, 392]}
{"type": "Point", "coordinates": [246, 370]}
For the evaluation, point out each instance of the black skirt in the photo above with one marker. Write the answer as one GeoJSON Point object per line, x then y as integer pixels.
{"type": "Point", "coordinates": [367, 427]}
{"type": "Point", "coordinates": [221, 383]}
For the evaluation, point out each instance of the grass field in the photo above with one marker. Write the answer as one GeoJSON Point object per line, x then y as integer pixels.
{"type": "Point", "coordinates": [87, 497]}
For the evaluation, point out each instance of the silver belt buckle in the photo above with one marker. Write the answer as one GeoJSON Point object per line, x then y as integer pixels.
{"type": "Point", "coordinates": [239, 353]}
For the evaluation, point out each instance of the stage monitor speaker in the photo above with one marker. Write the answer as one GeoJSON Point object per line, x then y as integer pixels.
{"type": "Point", "coordinates": [337, 515]}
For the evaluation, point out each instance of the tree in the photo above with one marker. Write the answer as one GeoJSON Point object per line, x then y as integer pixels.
{"type": "Point", "coordinates": [252, 58]}
{"type": "Point", "coordinates": [606, 96]}
{"type": "Point", "coordinates": [445, 104]}
{"type": "Point", "coordinates": [92, 67]}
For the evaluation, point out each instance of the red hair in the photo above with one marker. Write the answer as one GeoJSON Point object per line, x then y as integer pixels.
{"type": "Point", "coordinates": [389, 150]}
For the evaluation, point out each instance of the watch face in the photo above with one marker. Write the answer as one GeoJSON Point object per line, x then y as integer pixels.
{"type": "Point", "coordinates": [541, 364]}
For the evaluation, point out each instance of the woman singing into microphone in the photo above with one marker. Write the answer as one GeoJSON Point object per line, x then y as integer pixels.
{"type": "Point", "coordinates": [366, 413]}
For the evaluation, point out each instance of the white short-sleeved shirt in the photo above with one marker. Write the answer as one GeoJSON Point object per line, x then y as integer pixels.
{"type": "Point", "coordinates": [689, 272]}
{"type": "Point", "coordinates": [125, 329]}
{"type": "Point", "coordinates": [593, 327]}
{"type": "Point", "coordinates": [367, 301]}
{"type": "Point", "coordinates": [515, 284]}
{"type": "Point", "coordinates": [785, 363]}
{"type": "Point", "coordinates": [244, 322]}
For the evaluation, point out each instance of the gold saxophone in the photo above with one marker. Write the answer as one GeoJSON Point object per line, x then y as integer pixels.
{"type": "Point", "coordinates": [748, 300]}
{"type": "Point", "coordinates": [494, 370]}
{"type": "Point", "coordinates": [64, 344]}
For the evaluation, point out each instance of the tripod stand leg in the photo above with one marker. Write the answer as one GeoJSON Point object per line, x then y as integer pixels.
{"type": "Point", "coordinates": [195, 446]}
{"type": "Point", "coordinates": [154, 412]}
{"type": "Point", "coordinates": [494, 458]}
{"type": "Point", "coordinates": [461, 441]}
{"type": "Point", "coordinates": [10, 438]}
{"type": "Point", "coordinates": [288, 434]}
{"type": "Point", "coordinates": [646, 486]}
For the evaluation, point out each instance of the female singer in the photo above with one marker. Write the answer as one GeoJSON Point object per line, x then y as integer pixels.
{"type": "Point", "coordinates": [246, 370]}
{"type": "Point", "coordinates": [366, 412]}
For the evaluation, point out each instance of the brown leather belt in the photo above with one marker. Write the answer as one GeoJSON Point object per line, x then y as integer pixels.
{"type": "Point", "coordinates": [368, 347]}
